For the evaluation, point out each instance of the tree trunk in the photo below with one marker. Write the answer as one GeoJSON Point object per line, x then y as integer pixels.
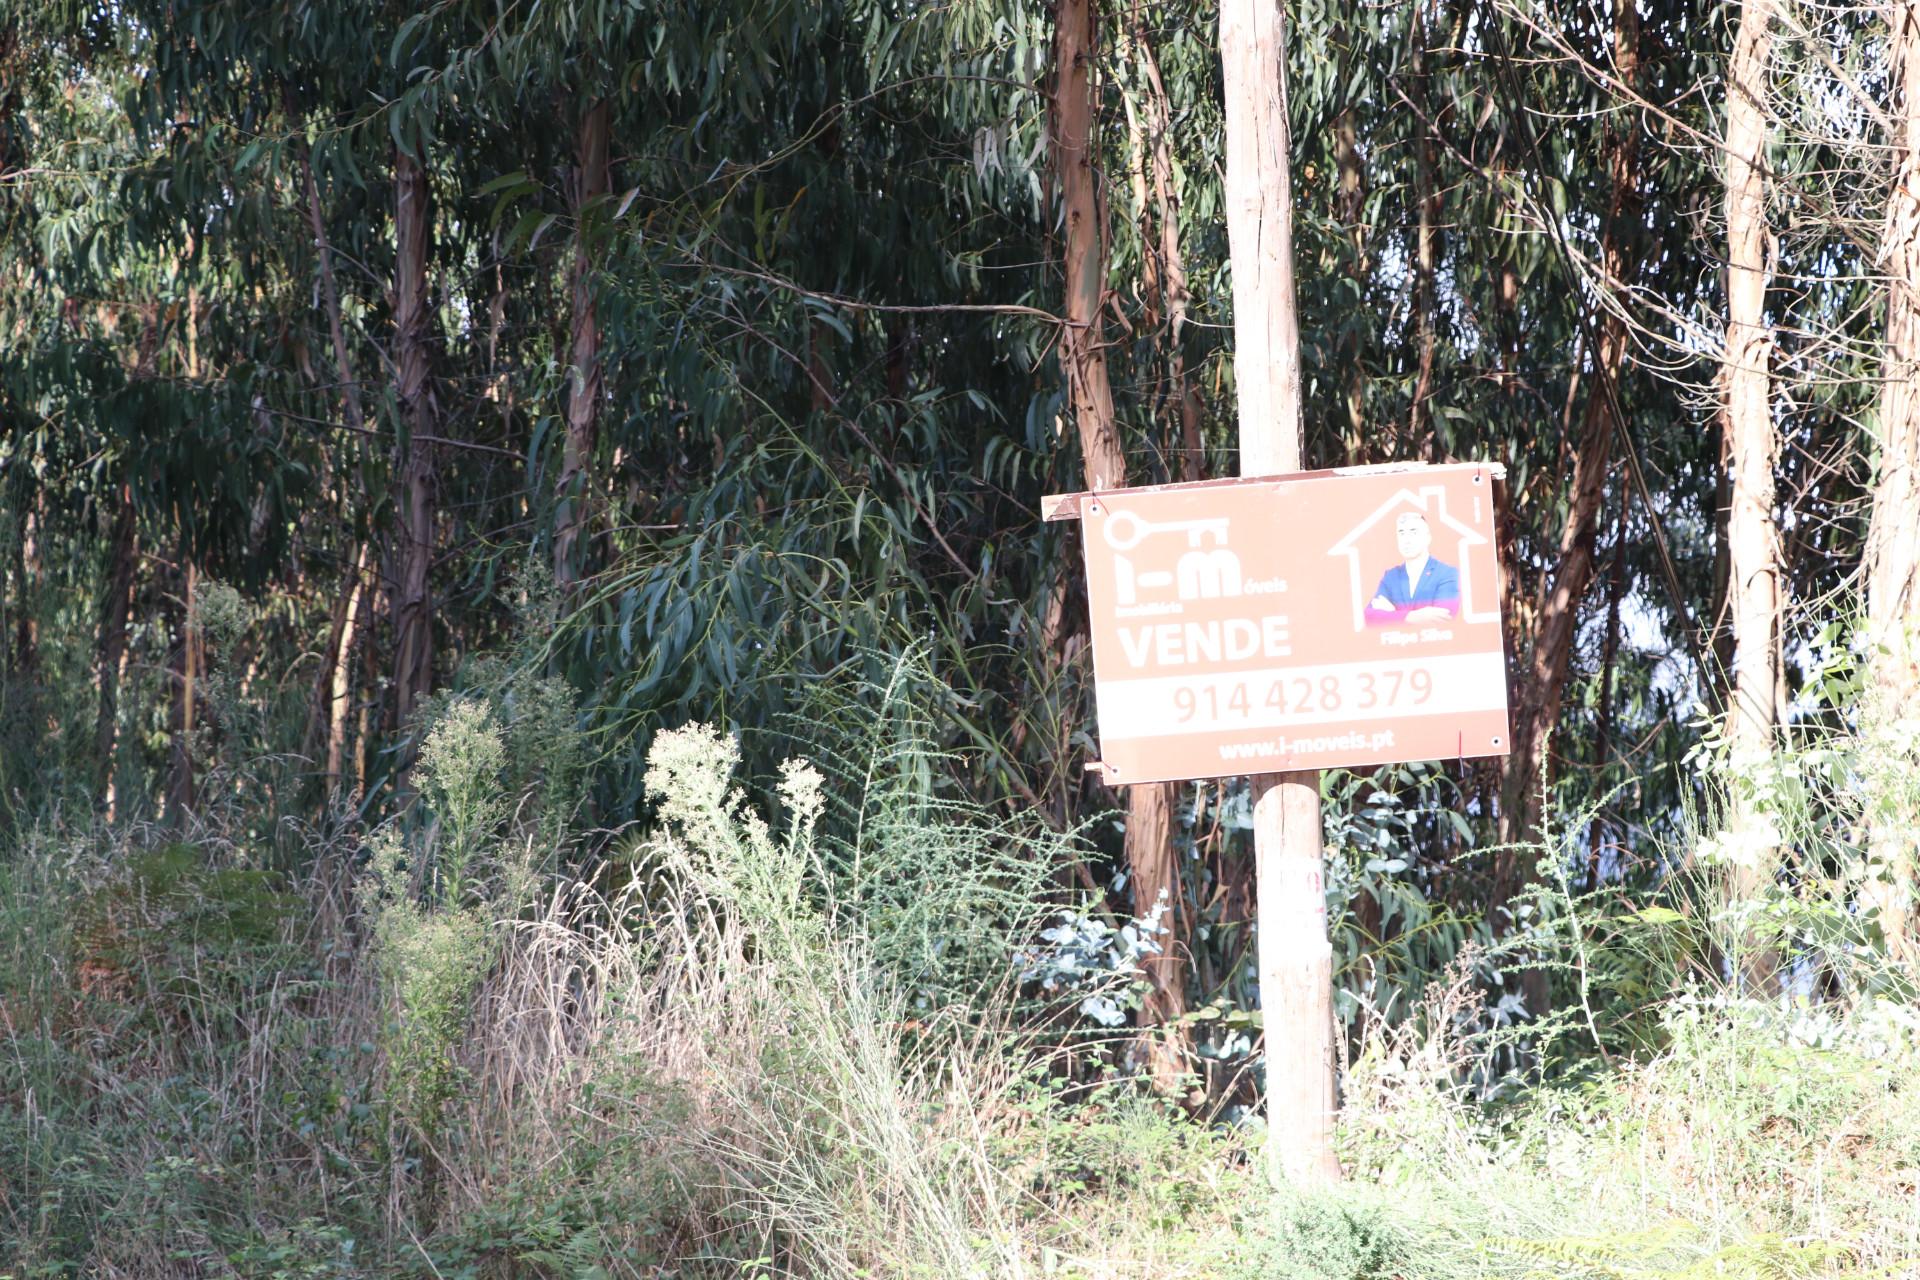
{"type": "Point", "coordinates": [26, 572]}
{"type": "Point", "coordinates": [1556, 612]}
{"type": "Point", "coordinates": [1752, 542]}
{"type": "Point", "coordinates": [1716, 680]}
{"type": "Point", "coordinates": [585, 381]}
{"type": "Point", "coordinates": [1421, 434]}
{"type": "Point", "coordinates": [1176, 299]}
{"type": "Point", "coordinates": [1154, 876]}
{"type": "Point", "coordinates": [418, 498]}
{"type": "Point", "coordinates": [1153, 873]}
{"type": "Point", "coordinates": [184, 669]}
{"type": "Point", "coordinates": [313, 739]}
{"type": "Point", "coordinates": [323, 722]}
{"type": "Point", "coordinates": [1609, 653]}
{"type": "Point", "coordinates": [369, 681]}
{"type": "Point", "coordinates": [1296, 960]}
{"type": "Point", "coordinates": [325, 735]}
{"type": "Point", "coordinates": [330, 296]}
{"type": "Point", "coordinates": [1082, 347]}
{"type": "Point", "coordinates": [114, 612]}
{"type": "Point", "coordinates": [1893, 532]}
{"type": "Point", "coordinates": [1351, 211]}
{"type": "Point", "coordinates": [340, 686]}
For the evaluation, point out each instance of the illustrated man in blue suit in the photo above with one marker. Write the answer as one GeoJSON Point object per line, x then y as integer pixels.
{"type": "Point", "coordinates": [1420, 589]}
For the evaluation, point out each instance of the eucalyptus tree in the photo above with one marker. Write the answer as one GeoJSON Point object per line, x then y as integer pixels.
{"type": "Point", "coordinates": [1815, 179]}
{"type": "Point", "coordinates": [1892, 552]}
{"type": "Point", "coordinates": [220, 104]}
{"type": "Point", "coordinates": [571, 67]}
{"type": "Point", "coordinates": [418, 410]}
{"type": "Point", "coordinates": [433, 325]}
{"type": "Point", "coordinates": [119, 357]}
{"type": "Point", "coordinates": [807, 382]}
{"type": "Point", "coordinates": [1158, 202]}
{"type": "Point", "coordinates": [765, 326]}
{"type": "Point", "coordinates": [1074, 142]}
{"type": "Point", "coordinates": [1752, 447]}
{"type": "Point", "coordinates": [1556, 611]}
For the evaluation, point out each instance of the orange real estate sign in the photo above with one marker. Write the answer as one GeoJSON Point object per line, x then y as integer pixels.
{"type": "Point", "coordinates": [1294, 622]}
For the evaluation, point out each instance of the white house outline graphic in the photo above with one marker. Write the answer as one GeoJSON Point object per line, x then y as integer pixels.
{"type": "Point", "coordinates": [1431, 502]}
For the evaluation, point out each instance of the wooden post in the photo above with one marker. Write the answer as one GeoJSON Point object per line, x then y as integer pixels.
{"type": "Point", "coordinates": [1296, 959]}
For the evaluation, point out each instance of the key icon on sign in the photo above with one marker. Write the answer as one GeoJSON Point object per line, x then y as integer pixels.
{"type": "Point", "coordinates": [1200, 573]}
{"type": "Point", "coordinates": [1124, 530]}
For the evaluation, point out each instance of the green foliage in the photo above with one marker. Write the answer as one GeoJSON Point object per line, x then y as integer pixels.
{"type": "Point", "coordinates": [1651, 1255]}
{"type": "Point", "coordinates": [815, 451]}
{"type": "Point", "coordinates": [120, 1048]}
{"type": "Point", "coordinates": [435, 901]}
{"type": "Point", "coordinates": [307, 1250]}
{"type": "Point", "coordinates": [434, 965]}
{"type": "Point", "coordinates": [867, 1127]}
{"type": "Point", "coordinates": [459, 776]}
{"type": "Point", "coordinates": [1331, 1237]}
{"type": "Point", "coordinates": [1075, 1147]}
{"type": "Point", "coordinates": [222, 612]}
{"type": "Point", "coordinates": [204, 931]}
{"type": "Point", "coordinates": [939, 892]}
{"type": "Point", "coordinates": [941, 889]}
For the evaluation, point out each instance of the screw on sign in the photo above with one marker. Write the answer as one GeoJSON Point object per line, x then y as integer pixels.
{"type": "Point", "coordinates": [1323, 619]}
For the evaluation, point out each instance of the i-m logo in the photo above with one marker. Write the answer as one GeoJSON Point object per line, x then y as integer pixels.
{"type": "Point", "coordinates": [1207, 570]}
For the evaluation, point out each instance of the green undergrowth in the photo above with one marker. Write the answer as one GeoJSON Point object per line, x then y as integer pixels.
{"type": "Point", "coordinates": [783, 1041]}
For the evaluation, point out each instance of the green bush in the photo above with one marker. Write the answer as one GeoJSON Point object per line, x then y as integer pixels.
{"type": "Point", "coordinates": [1329, 1236]}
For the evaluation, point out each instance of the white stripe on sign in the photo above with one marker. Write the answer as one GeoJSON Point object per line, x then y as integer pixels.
{"type": "Point", "coordinates": [1280, 697]}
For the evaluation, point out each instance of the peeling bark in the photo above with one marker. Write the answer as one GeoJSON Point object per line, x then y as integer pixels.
{"type": "Point", "coordinates": [340, 684]}
{"type": "Point", "coordinates": [585, 380]}
{"type": "Point", "coordinates": [324, 728]}
{"type": "Point", "coordinates": [1149, 857]}
{"type": "Point", "coordinates": [1174, 298]}
{"type": "Point", "coordinates": [1082, 336]}
{"type": "Point", "coordinates": [1715, 680]}
{"type": "Point", "coordinates": [417, 499]}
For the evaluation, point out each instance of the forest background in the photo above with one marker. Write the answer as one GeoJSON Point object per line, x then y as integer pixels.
{"type": "Point", "coordinates": [541, 731]}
